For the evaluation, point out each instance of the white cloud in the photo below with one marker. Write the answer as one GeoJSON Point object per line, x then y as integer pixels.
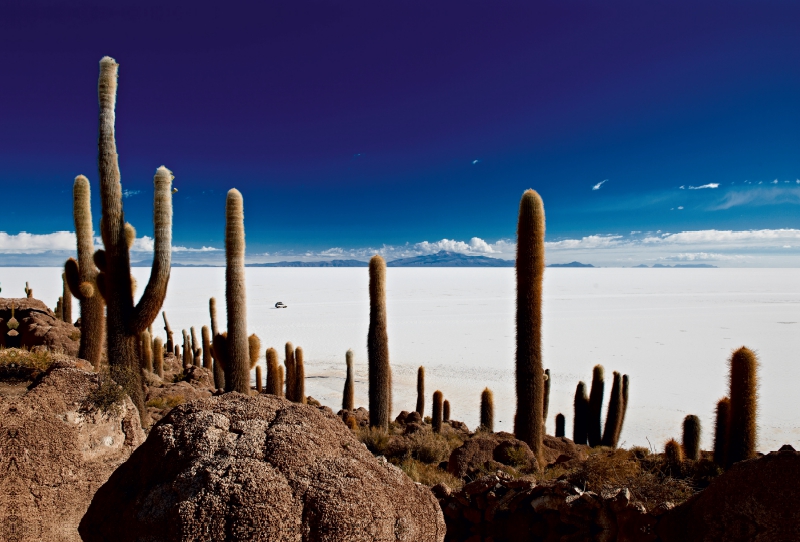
{"type": "Point", "coordinates": [598, 185]}
{"type": "Point", "coordinates": [709, 185]}
{"type": "Point", "coordinates": [129, 193]}
{"type": "Point", "coordinates": [590, 241]}
{"type": "Point", "coordinates": [702, 257]}
{"type": "Point", "coordinates": [32, 243]}
{"type": "Point", "coordinates": [759, 196]}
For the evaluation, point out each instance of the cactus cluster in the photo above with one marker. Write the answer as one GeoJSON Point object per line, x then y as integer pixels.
{"type": "Point", "coordinates": [587, 421]}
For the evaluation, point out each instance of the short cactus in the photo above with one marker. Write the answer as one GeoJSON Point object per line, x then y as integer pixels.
{"type": "Point", "coordinates": [436, 418]}
{"type": "Point", "coordinates": [487, 410]}
{"type": "Point", "coordinates": [742, 435]}
{"type": "Point", "coordinates": [170, 346]}
{"type": "Point", "coordinates": [691, 437]}
{"type": "Point", "coordinates": [380, 372]}
{"type": "Point", "coordinates": [254, 345]}
{"type": "Point", "coordinates": [348, 400]}
{"type": "Point", "coordinates": [446, 411]}
{"type": "Point", "coordinates": [259, 379]}
{"type": "Point", "coordinates": [280, 380]}
{"type": "Point", "coordinates": [274, 381]}
{"type": "Point", "coordinates": [158, 357]}
{"type": "Point", "coordinates": [580, 427]}
{"type": "Point", "coordinates": [721, 427]}
{"type": "Point", "coordinates": [560, 425]}
{"type": "Point", "coordinates": [421, 391]}
{"type": "Point", "coordinates": [187, 350]}
{"type": "Point", "coordinates": [596, 406]}
{"type": "Point", "coordinates": [289, 361]}
{"type": "Point", "coordinates": [147, 351]}
{"type": "Point", "coordinates": [28, 291]}
{"type": "Point", "coordinates": [208, 361]}
{"type": "Point", "coordinates": [614, 415]}
{"type": "Point", "coordinates": [196, 350]}
{"type": "Point", "coordinates": [673, 453]}
{"type": "Point", "coordinates": [299, 376]}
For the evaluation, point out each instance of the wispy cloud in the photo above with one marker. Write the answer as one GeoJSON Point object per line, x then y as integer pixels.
{"type": "Point", "coordinates": [130, 193]}
{"type": "Point", "coordinates": [701, 187]}
{"type": "Point", "coordinates": [32, 243]}
{"type": "Point", "coordinates": [598, 185]}
{"type": "Point", "coordinates": [758, 196]}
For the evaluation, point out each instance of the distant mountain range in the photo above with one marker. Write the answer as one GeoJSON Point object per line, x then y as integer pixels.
{"type": "Point", "coordinates": [570, 264]}
{"type": "Point", "coordinates": [440, 259]}
{"type": "Point", "coordinates": [678, 266]}
{"type": "Point", "coordinates": [332, 263]}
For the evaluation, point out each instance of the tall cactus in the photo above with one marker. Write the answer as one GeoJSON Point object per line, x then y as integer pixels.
{"type": "Point", "coordinates": [147, 351]}
{"type": "Point", "coordinates": [625, 386]}
{"type": "Point", "coordinates": [196, 350]}
{"type": "Point", "coordinates": [66, 300]}
{"type": "Point", "coordinates": [299, 377]}
{"type": "Point", "coordinates": [421, 391]}
{"type": "Point", "coordinates": [289, 350]}
{"type": "Point", "coordinates": [219, 372]}
{"type": "Point", "coordinates": [721, 427]}
{"type": "Point", "coordinates": [436, 418]}
{"type": "Point", "coordinates": [691, 437]}
{"type": "Point", "coordinates": [206, 334]}
{"type": "Point", "coordinates": [546, 405]}
{"type": "Point", "coordinates": [742, 436]}
{"type": "Point", "coordinates": [274, 381]}
{"type": "Point", "coordinates": [614, 415]}
{"type": "Point", "coordinates": [596, 406]}
{"type": "Point", "coordinates": [487, 410]}
{"type": "Point", "coordinates": [124, 319]}
{"type": "Point", "coordinates": [580, 423]}
{"type": "Point", "coordinates": [529, 370]}
{"type": "Point", "coordinates": [158, 357]}
{"type": "Point", "coordinates": [187, 350]}
{"type": "Point", "coordinates": [348, 399]}
{"type": "Point", "coordinates": [81, 276]}
{"type": "Point", "coordinates": [380, 372]}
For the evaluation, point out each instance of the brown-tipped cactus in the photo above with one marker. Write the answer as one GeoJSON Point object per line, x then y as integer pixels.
{"type": "Point", "coordinates": [721, 427]}
{"type": "Point", "coordinates": [259, 379]}
{"type": "Point", "coordinates": [487, 410]}
{"type": "Point", "coordinates": [237, 356]}
{"type": "Point", "coordinates": [596, 406]}
{"type": "Point", "coordinates": [66, 300]}
{"type": "Point", "coordinates": [614, 415]}
{"type": "Point", "coordinates": [207, 359]}
{"type": "Point", "coordinates": [691, 437]}
{"type": "Point", "coordinates": [742, 435]}
{"type": "Point", "coordinates": [274, 380]}
{"type": "Point", "coordinates": [529, 370]}
{"type": "Point", "coordinates": [299, 376]}
{"type": "Point", "coordinates": [147, 351]}
{"type": "Point", "coordinates": [560, 425]}
{"type": "Point", "coordinates": [580, 423]}
{"type": "Point", "coordinates": [81, 276]}
{"type": "Point", "coordinates": [673, 453]}
{"type": "Point", "coordinates": [289, 349]}
{"type": "Point", "coordinates": [158, 357]}
{"type": "Point", "coordinates": [380, 372]}
{"type": "Point", "coordinates": [254, 345]}
{"type": "Point", "coordinates": [436, 418]}
{"type": "Point", "coordinates": [348, 395]}
{"type": "Point", "coordinates": [170, 346]}
{"type": "Point", "coordinates": [421, 391]}
{"type": "Point", "coordinates": [446, 411]}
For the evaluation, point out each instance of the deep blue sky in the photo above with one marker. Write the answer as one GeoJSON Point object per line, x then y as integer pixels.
{"type": "Point", "coordinates": [356, 123]}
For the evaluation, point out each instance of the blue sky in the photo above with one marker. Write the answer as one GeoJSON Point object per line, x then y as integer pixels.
{"type": "Point", "coordinates": [355, 127]}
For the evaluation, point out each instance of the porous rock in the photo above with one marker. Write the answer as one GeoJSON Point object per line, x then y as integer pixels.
{"type": "Point", "coordinates": [38, 326]}
{"type": "Point", "coordinates": [235, 467]}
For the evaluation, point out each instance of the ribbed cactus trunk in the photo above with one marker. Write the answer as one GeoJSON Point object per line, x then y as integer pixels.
{"type": "Point", "coordinates": [280, 381]}
{"type": "Point", "coordinates": [742, 435]}
{"type": "Point", "coordinates": [625, 386]}
{"type": "Point", "coordinates": [421, 391]}
{"type": "Point", "coordinates": [348, 395]}
{"type": "Point", "coordinates": [487, 410]}
{"type": "Point", "coordinates": [147, 351]}
{"type": "Point", "coordinates": [219, 372]}
{"type": "Point", "coordinates": [299, 376]}
{"type": "Point", "coordinates": [721, 427]}
{"type": "Point", "coordinates": [196, 350]}
{"type": "Point", "coordinates": [560, 425]}
{"type": "Point", "coordinates": [124, 320]}
{"type": "Point", "coordinates": [81, 276]}
{"type": "Point", "coordinates": [614, 415]}
{"type": "Point", "coordinates": [380, 372]}
{"type": "Point", "coordinates": [259, 379]}
{"type": "Point", "coordinates": [158, 357]}
{"type": "Point", "coordinates": [546, 405]}
{"type": "Point", "coordinates": [436, 418]}
{"type": "Point", "coordinates": [530, 275]}
{"type": "Point", "coordinates": [66, 300]}
{"type": "Point", "coordinates": [207, 360]}
{"type": "Point", "coordinates": [237, 362]}
{"type": "Point", "coordinates": [274, 380]}
{"type": "Point", "coordinates": [691, 437]}
{"type": "Point", "coordinates": [446, 411]}
{"type": "Point", "coordinates": [289, 350]}
{"type": "Point", "coordinates": [596, 406]}
{"type": "Point", "coordinates": [580, 423]}
{"type": "Point", "coordinates": [170, 345]}
{"type": "Point", "coordinates": [187, 350]}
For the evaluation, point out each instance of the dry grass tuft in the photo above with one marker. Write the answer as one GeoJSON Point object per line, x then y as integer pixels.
{"type": "Point", "coordinates": [430, 475]}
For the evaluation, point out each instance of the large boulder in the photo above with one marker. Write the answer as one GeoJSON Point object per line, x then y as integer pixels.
{"type": "Point", "coordinates": [56, 448]}
{"type": "Point", "coordinates": [236, 467]}
{"type": "Point", "coordinates": [756, 500]}
{"type": "Point", "coordinates": [38, 326]}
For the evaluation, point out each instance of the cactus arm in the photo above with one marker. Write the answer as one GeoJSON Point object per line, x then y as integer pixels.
{"type": "Point", "coordinates": [153, 297]}
{"type": "Point", "coordinates": [72, 273]}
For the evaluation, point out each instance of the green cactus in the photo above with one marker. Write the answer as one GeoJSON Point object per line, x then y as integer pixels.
{"type": "Point", "coordinates": [348, 400]}
{"type": "Point", "coordinates": [742, 435]}
{"type": "Point", "coordinates": [530, 380]}
{"type": "Point", "coordinates": [289, 351]}
{"type": "Point", "coordinates": [421, 391]}
{"type": "Point", "coordinates": [436, 419]}
{"type": "Point", "coordinates": [487, 410]}
{"type": "Point", "coordinates": [614, 414]}
{"type": "Point", "coordinates": [691, 437]}
{"type": "Point", "coordinates": [299, 377]}
{"type": "Point", "coordinates": [580, 427]}
{"type": "Point", "coordinates": [721, 427]}
{"type": "Point", "coordinates": [81, 276]}
{"type": "Point", "coordinates": [596, 406]}
{"type": "Point", "coordinates": [380, 372]}
{"type": "Point", "coordinates": [560, 425]}
{"type": "Point", "coordinates": [158, 357]}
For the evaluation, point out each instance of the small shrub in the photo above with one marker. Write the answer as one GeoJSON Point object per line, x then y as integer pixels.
{"type": "Point", "coordinates": [430, 475]}
{"type": "Point", "coordinates": [75, 335]}
{"type": "Point", "coordinates": [107, 396]}
{"type": "Point", "coordinates": [376, 439]}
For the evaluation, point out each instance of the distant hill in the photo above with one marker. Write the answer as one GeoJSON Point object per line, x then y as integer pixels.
{"type": "Point", "coordinates": [680, 266]}
{"type": "Point", "coordinates": [450, 259]}
{"type": "Point", "coordinates": [570, 264]}
{"type": "Point", "coordinates": [331, 263]}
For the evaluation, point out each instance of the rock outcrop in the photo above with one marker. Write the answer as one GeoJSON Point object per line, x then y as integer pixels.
{"type": "Point", "coordinates": [56, 449]}
{"type": "Point", "coordinates": [38, 326]}
{"type": "Point", "coordinates": [234, 467]}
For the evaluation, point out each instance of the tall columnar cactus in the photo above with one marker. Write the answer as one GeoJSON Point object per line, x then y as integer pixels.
{"type": "Point", "coordinates": [289, 350]}
{"type": "Point", "coordinates": [207, 360]}
{"type": "Point", "coordinates": [187, 350]}
{"type": "Point", "coordinates": [546, 405]}
{"type": "Point", "coordinates": [280, 381]}
{"type": "Point", "coordinates": [147, 351]}
{"type": "Point", "coordinates": [580, 424]}
{"type": "Point", "coordinates": [487, 410]}
{"type": "Point", "coordinates": [596, 406]}
{"type": "Point", "coordinates": [219, 372]}
{"type": "Point", "coordinates": [529, 370]}
{"type": "Point", "coordinates": [421, 391]}
{"type": "Point", "coordinates": [673, 453]}
{"type": "Point", "coordinates": [158, 357]}
{"type": "Point", "coordinates": [299, 376]}
{"type": "Point", "coordinates": [380, 372]}
{"type": "Point", "coordinates": [614, 415]}
{"type": "Point", "coordinates": [259, 379]}
{"type": "Point", "coordinates": [274, 383]}
{"type": "Point", "coordinates": [436, 419]}
{"type": "Point", "coordinates": [721, 427]}
{"type": "Point", "coordinates": [625, 386]}
{"type": "Point", "coordinates": [59, 311]}
{"type": "Point", "coordinates": [446, 411]}
{"type": "Point", "coordinates": [742, 435]}
{"type": "Point", "coordinates": [66, 303]}
{"type": "Point", "coordinates": [196, 350]}
{"type": "Point", "coordinates": [560, 425]}
{"type": "Point", "coordinates": [691, 437]}
{"type": "Point", "coordinates": [81, 276]}
{"type": "Point", "coordinates": [170, 346]}
{"type": "Point", "coordinates": [236, 352]}
{"type": "Point", "coordinates": [124, 319]}
{"type": "Point", "coordinates": [348, 395]}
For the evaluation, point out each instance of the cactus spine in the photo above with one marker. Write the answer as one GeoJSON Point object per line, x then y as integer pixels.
{"type": "Point", "coordinates": [691, 437]}
{"type": "Point", "coordinates": [147, 351]}
{"type": "Point", "coordinates": [299, 376]}
{"type": "Point", "coordinates": [158, 357]}
{"type": "Point", "coordinates": [596, 405]}
{"type": "Point", "coordinates": [274, 384]}
{"type": "Point", "coordinates": [673, 453]}
{"type": "Point", "coordinates": [421, 391]}
{"type": "Point", "coordinates": [742, 435]}
{"type": "Point", "coordinates": [380, 372]}
{"type": "Point", "coordinates": [721, 426]}
{"type": "Point", "coordinates": [436, 419]}
{"type": "Point", "coordinates": [487, 410]}
{"type": "Point", "coordinates": [81, 276]}
{"type": "Point", "coordinates": [66, 300]}
{"type": "Point", "coordinates": [124, 319]}
{"type": "Point", "coordinates": [289, 348]}
{"type": "Point", "coordinates": [446, 411]}
{"type": "Point", "coordinates": [580, 425]}
{"type": "Point", "coordinates": [259, 379]}
{"type": "Point", "coordinates": [348, 399]}
{"type": "Point", "coordinates": [529, 370]}
{"type": "Point", "coordinates": [206, 334]}
{"type": "Point", "coordinates": [614, 415]}
{"type": "Point", "coordinates": [560, 425]}
{"type": "Point", "coordinates": [254, 346]}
